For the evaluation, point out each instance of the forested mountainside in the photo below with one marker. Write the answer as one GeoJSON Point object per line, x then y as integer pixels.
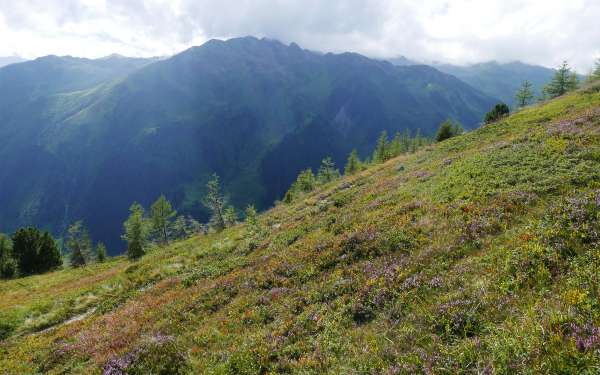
{"type": "Point", "coordinates": [478, 254]}
{"type": "Point", "coordinates": [501, 80]}
{"type": "Point", "coordinates": [83, 139]}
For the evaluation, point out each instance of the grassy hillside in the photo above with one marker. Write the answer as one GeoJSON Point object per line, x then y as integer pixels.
{"type": "Point", "coordinates": [476, 255]}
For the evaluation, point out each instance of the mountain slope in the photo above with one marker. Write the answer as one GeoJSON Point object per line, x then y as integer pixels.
{"type": "Point", "coordinates": [4, 61]}
{"type": "Point", "coordinates": [94, 141]}
{"type": "Point", "coordinates": [475, 255]}
{"type": "Point", "coordinates": [500, 80]}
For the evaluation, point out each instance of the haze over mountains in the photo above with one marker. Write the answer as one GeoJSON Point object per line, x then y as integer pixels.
{"type": "Point", "coordinates": [499, 80]}
{"type": "Point", "coordinates": [85, 138]}
{"type": "Point", "coordinates": [10, 60]}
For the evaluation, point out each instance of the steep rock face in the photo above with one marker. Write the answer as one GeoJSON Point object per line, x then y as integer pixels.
{"type": "Point", "coordinates": [86, 138]}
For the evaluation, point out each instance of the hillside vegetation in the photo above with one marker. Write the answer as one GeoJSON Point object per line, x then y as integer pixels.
{"type": "Point", "coordinates": [475, 255]}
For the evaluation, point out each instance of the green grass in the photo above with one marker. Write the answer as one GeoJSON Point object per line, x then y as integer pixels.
{"type": "Point", "coordinates": [479, 255]}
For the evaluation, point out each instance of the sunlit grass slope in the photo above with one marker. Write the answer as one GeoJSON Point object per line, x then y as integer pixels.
{"type": "Point", "coordinates": [476, 255]}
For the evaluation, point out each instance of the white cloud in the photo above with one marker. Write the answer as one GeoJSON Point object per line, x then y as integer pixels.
{"type": "Point", "coordinates": [460, 31]}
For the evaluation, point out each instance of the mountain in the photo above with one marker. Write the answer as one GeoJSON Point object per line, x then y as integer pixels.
{"type": "Point", "coordinates": [500, 80]}
{"type": "Point", "coordinates": [403, 61]}
{"type": "Point", "coordinates": [10, 60]}
{"type": "Point", "coordinates": [86, 138]}
{"type": "Point", "coordinates": [478, 254]}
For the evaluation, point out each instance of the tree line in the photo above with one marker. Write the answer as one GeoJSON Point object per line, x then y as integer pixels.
{"type": "Point", "coordinates": [564, 81]}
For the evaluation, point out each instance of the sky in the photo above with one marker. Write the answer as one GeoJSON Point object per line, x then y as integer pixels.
{"type": "Point", "coordinates": [543, 32]}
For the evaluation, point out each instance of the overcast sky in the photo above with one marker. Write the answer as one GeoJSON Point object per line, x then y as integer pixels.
{"type": "Point", "coordinates": [459, 31]}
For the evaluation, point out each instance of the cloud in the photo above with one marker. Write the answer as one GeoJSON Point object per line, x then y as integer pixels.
{"type": "Point", "coordinates": [460, 31]}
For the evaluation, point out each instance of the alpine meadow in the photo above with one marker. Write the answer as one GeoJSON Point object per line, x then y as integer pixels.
{"type": "Point", "coordinates": [183, 199]}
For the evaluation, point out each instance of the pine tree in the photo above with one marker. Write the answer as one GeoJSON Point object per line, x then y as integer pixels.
{"type": "Point", "coordinates": [34, 251]}
{"type": "Point", "coordinates": [49, 257]}
{"type": "Point", "coordinates": [306, 181]}
{"type": "Point", "coordinates": [525, 95]}
{"type": "Point", "coordinates": [100, 253]}
{"type": "Point", "coordinates": [252, 225]}
{"type": "Point", "coordinates": [380, 154]}
{"type": "Point", "coordinates": [136, 232]}
{"type": "Point", "coordinates": [396, 145]}
{"type": "Point", "coordinates": [8, 265]}
{"type": "Point", "coordinates": [230, 216]}
{"type": "Point", "coordinates": [161, 213]}
{"type": "Point", "coordinates": [564, 80]}
{"type": "Point", "coordinates": [327, 171]}
{"type": "Point", "coordinates": [25, 249]}
{"type": "Point", "coordinates": [179, 228]}
{"type": "Point", "coordinates": [215, 202]}
{"type": "Point", "coordinates": [353, 164]}
{"type": "Point", "coordinates": [78, 245]}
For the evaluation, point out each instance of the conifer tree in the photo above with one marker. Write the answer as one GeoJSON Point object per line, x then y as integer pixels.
{"type": "Point", "coordinates": [353, 163]}
{"type": "Point", "coordinates": [564, 80]}
{"type": "Point", "coordinates": [327, 171]}
{"type": "Point", "coordinates": [306, 181]}
{"type": "Point", "coordinates": [380, 154]}
{"type": "Point", "coordinates": [396, 145]}
{"type": "Point", "coordinates": [230, 216]}
{"type": "Point", "coordinates": [215, 202]}
{"type": "Point", "coordinates": [8, 265]}
{"type": "Point", "coordinates": [34, 251]}
{"type": "Point", "coordinates": [525, 95]}
{"type": "Point", "coordinates": [78, 245]}
{"type": "Point", "coordinates": [26, 248]}
{"type": "Point", "coordinates": [49, 257]}
{"type": "Point", "coordinates": [100, 253]}
{"type": "Point", "coordinates": [136, 232]}
{"type": "Point", "coordinates": [179, 228]}
{"type": "Point", "coordinates": [161, 213]}
{"type": "Point", "coordinates": [252, 225]}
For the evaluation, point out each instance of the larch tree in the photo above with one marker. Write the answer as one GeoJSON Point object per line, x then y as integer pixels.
{"type": "Point", "coordinates": [161, 213]}
{"type": "Point", "coordinates": [136, 232]}
{"type": "Point", "coordinates": [78, 245]}
{"type": "Point", "coordinates": [353, 163]}
{"type": "Point", "coordinates": [327, 171]}
{"type": "Point", "coordinates": [215, 202]}
{"type": "Point", "coordinates": [381, 149]}
{"type": "Point", "coordinates": [8, 265]}
{"type": "Point", "coordinates": [564, 80]}
{"type": "Point", "coordinates": [252, 225]}
{"type": "Point", "coordinates": [524, 96]}
{"type": "Point", "coordinates": [101, 253]}
{"type": "Point", "coordinates": [230, 216]}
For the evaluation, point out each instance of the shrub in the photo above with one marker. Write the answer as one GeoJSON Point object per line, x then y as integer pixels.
{"type": "Point", "coordinates": [500, 110]}
{"type": "Point", "coordinates": [458, 318]}
{"type": "Point", "coordinates": [448, 129]}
